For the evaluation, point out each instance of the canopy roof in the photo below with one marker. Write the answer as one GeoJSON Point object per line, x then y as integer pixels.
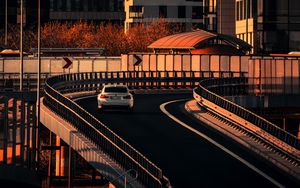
{"type": "Point", "coordinates": [192, 40]}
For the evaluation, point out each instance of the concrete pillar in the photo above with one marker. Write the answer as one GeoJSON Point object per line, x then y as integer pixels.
{"type": "Point", "coordinates": [50, 168]}
{"type": "Point", "coordinates": [57, 157]}
{"type": "Point", "coordinates": [61, 162]}
{"type": "Point", "coordinates": [298, 135]}
{"type": "Point", "coordinates": [70, 167]}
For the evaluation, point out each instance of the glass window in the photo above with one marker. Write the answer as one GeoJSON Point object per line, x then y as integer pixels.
{"type": "Point", "coordinates": [163, 12]}
{"type": "Point", "coordinates": [181, 11]}
{"type": "Point", "coordinates": [115, 89]}
{"type": "Point", "coordinates": [136, 11]}
{"type": "Point", "coordinates": [92, 5]}
{"type": "Point", "coordinates": [62, 5]}
{"type": "Point", "coordinates": [54, 5]}
{"type": "Point", "coordinates": [197, 12]}
{"type": "Point", "coordinates": [237, 15]}
{"type": "Point", "coordinates": [245, 11]}
{"type": "Point", "coordinates": [212, 6]}
{"type": "Point", "coordinates": [260, 7]}
{"type": "Point", "coordinates": [241, 10]}
{"type": "Point", "coordinates": [76, 5]}
{"type": "Point", "coordinates": [52, 2]}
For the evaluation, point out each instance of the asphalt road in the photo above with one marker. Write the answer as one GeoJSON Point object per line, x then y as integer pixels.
{"type": "Point", "coordinates": [186, 159]}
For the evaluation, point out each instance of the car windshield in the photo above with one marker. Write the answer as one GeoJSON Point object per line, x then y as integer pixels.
{"type": "Point", "coordinates": [115, 90]}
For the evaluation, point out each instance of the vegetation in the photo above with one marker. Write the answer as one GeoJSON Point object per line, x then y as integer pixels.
{"type": "Point", "coordinates": [89, 35]}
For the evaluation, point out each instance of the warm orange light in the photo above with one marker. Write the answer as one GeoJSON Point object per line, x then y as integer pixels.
{"type": "Point", "coordinates": [1, 155]}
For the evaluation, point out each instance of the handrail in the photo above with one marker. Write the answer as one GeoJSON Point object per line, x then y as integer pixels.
{"type": "Point", "coordinates": [125, 179]}
{"type": "Point", "coordinates": [203, 91]}
{"type": "Point", "coordinates": [122, 152]}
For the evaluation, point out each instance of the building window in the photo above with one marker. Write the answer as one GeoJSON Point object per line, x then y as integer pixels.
{"type": "Point", "coordinates": [163, 12]}
{"type": "Point", "coordinates": [214, 24]}
{"type": "Point", "coordinates": [237, 10]}
{"type": "Point", "coordinates": [62, 5]}
{"type": "Point", "coordinates": [53, 5]}
{"type": "Point", "coordinates": [250, 8]}
{"type": "Point", "coordinates": [241, 10]}
{"type": "Point", "coordinates": [197, 12]}
{"type": "Point", "coordinates": [76, 5]}
{"type": "Point", "coordinates": [92, 5]}
{"type": "Point", "coordinates": [181, 11]}
{"type": "Point", "coordinates": [136, 11]}
{"type": "Point", "coordinates": [210, 6]}
{"type": "Point", "coordinates": [260, 7]}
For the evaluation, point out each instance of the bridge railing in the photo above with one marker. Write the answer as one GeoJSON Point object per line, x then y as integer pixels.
{"type": "Point", "coordinates": [123, 153]}
{"type": "Point", "coordinates": [208, 90]}
{"type": "Point", "coordinates": [11, 81]}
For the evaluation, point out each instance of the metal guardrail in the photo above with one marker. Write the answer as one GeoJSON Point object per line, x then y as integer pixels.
{"type": "Point", "coordinates": [11, 81]}
{"type": "Point", "coordinates": [208, 89]}
{"type": "Point", "coordinates": [123, 153]}
{"type": "Point", "coordinates": [146, 79]}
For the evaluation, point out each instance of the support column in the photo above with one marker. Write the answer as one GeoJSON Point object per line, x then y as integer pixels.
{"type": "Point", "coordinates": [50, 167]}
{"type": "Point", "coordinates": [70, 168]}
{"type": "Point", "coordinates": [63, 161]}
{"type": "Point", "coordinates": [57, 157]}
{"type": "Point", "coordinates": [60, 159]}
{"type": "Point", "coordinates": [298, 135]}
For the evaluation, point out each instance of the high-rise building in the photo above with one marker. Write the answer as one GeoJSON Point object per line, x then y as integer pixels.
{"type": "Point", "coordinates": [269, 26]}
{"type": "Point", "coordinates": [219, 16]}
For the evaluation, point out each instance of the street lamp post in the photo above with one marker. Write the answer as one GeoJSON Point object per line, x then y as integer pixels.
{"type": "Point", "coordinates": [5, 42]}
{"type": "Point", "coordinates": [21, 47]}
{"type": "Point", "coordinates": [38, 81]}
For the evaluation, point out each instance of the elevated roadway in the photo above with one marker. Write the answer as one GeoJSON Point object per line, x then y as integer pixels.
{"type": "Point", "coordinates": [178, 146]}
{"type": "Point", "coordinates": [188, 158]}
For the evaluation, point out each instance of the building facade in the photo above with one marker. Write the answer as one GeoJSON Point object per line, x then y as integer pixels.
{"type": "Point", "coordinates": [186, 13]}
{"type": "Point", "coordinates": [63, 10]}
{"type": "Point", "coordinates": [269, 26]}
{"type": "Point", "coordinates": [11, 12]}
{"type": "Point", "coordinates": [225, 17]}
{"type": "Point", "coordinates": [89, 10]}
{"type": "Point", "coordinates": [30, 13]}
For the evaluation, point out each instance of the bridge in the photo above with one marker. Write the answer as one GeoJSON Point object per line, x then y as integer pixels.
{"type": "Point", "coordinates": [121, 153]}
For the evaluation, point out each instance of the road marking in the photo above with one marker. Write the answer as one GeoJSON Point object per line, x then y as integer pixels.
{"type": "Point", "coordinates": [248, 164]}
{"type": "Point", "coordinates": [84, 97]}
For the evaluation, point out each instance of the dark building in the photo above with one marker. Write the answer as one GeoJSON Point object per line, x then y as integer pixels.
{"type": "Point", "coordinates": [278, 25]}
{"type": "Point", "coordinates": [11, 12]}
{"type": "Point", "coordinates": [30, 13]}
{"type": "Point", "coordinates": [270, 26]}
{"type": "Point", "coordinates": [63, 10]}
{"type": "Point", "coordinates": [89, 10]}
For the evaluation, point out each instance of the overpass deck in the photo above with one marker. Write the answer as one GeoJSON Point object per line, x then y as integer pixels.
{"type": "Point", "coordinates": [248, 140]}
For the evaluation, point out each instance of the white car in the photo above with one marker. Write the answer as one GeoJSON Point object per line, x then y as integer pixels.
{"type": "Point", "coordinates": [115, 96]}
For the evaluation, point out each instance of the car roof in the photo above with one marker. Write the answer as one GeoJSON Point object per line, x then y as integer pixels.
{"type": "Point", "coordinates": [114, 85]}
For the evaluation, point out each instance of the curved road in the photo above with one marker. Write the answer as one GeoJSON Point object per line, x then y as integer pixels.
{"type": "Point", "coordinates": [187, 159]}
